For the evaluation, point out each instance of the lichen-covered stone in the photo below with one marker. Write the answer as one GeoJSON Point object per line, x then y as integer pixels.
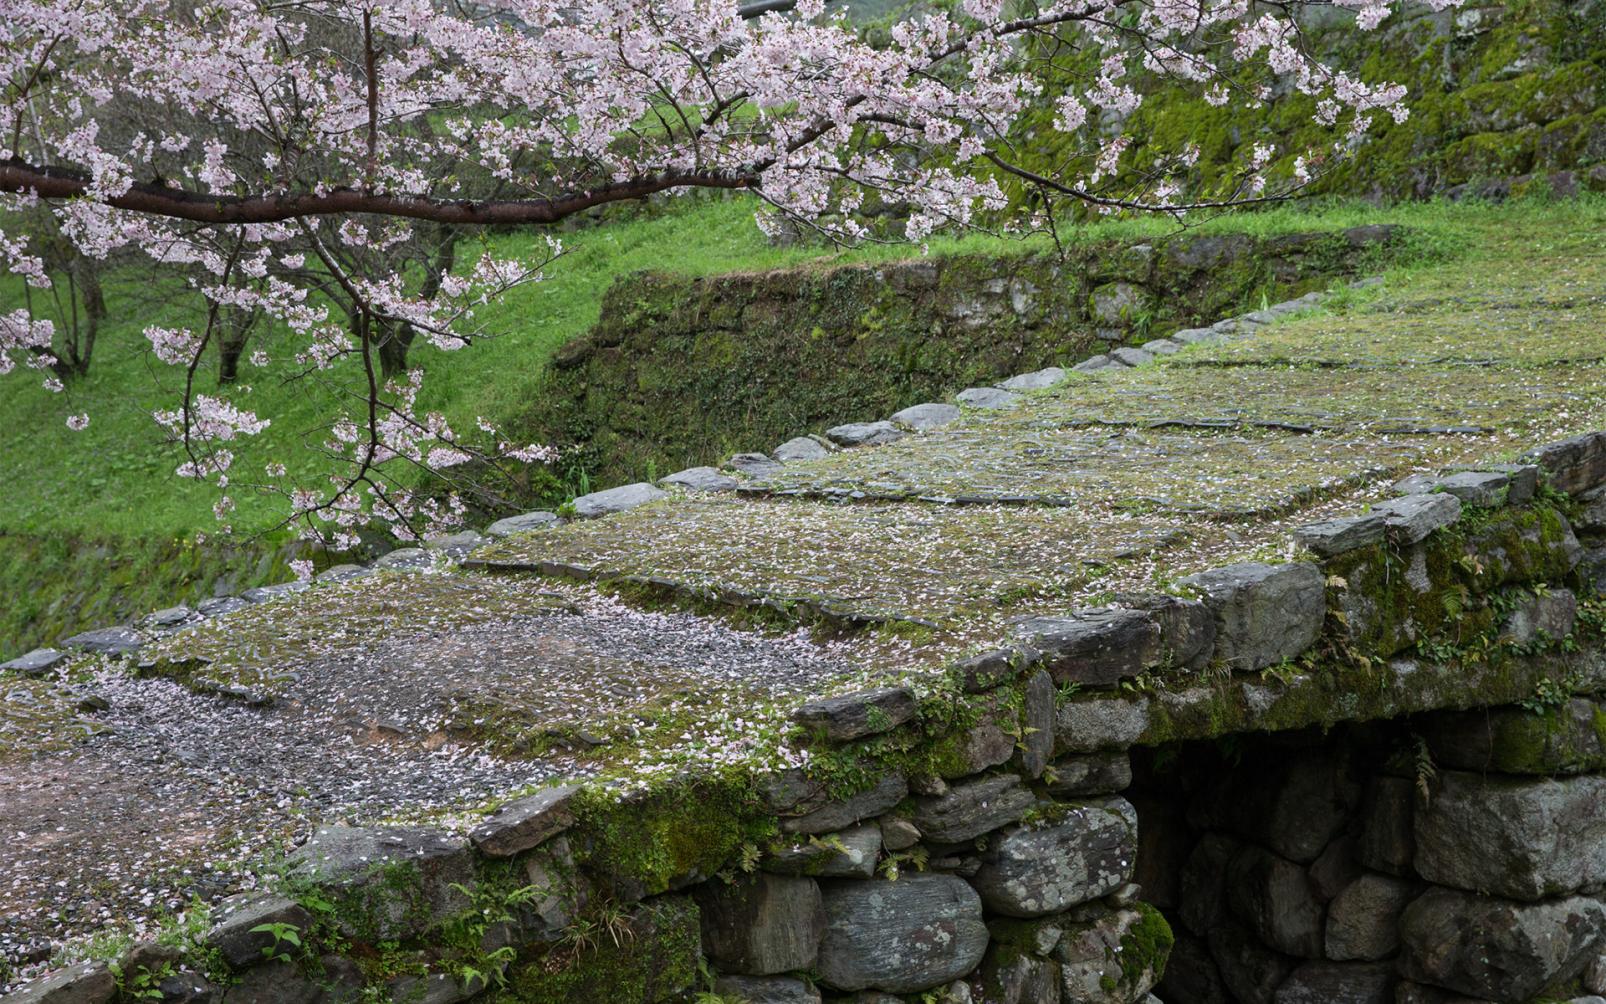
{"type": "Point", "coordinates": [990, 398]}
{"type": "Point", "coordinates": [900, 937]}
{"type": "Point", "coordinates": [1345, 533]}
{"type": "Point", "coordinates": [1037, 724]}
{"type": "Point", "coordinates": [1009, 976]}
{"type": "Point", "coordinates": [801, 448]}
{"type": "Point", "coordinates": [761, 924]}
{"type": "Point", "coordinates": [1090, 774]}
{"type": "Point", "coordinates": [1116, 958]}
{"type": "Point", "coordinates": [1573, 465]}
{"type": "Point", "coordinates": [1411, 518]}
{"type": "Point", "coordinates": [854, 716]}
{"type": "Point", "coordinates": [613, 500]}
{"type": "Point", "coordinates": [1094, 647]}
{"type": "Point", "coordinates": [526, 822]}
{"type": "Point", "coordinates": [1036, 380]}
{"type": "Point", "coordinates": [850, 853]}
{"type": "Point", "coordinates": [36, 663]}
{"type": "Point", "coordinates": [1498, 949]}
{"type": "Point", "coordinates": [864, 434]}
{"type": "Point", "coordinates": [700, 479]}
{"type": "Point", "coordinates": [233, 933]}
{"type": "Point", "coordinates": [823, 817]}
{"type": "Point", "coordinates": [1264, 613]}
{"type": "Point", "coordinates": [1548, 617]}
{"type": "Point", "coordinates": [921, 417]}
{"type": "Point", "coordinates": [1075, 854]}
{"type": "Point", "coordinates": [522, 523]}
{"type": "Point", "coordinates": [389, 882]}
{"type": "Point", "coordinates": [115, 641]}
{"type": "Point", "coordinates": [1522, 838]}
{"type": "Point", "coordinates": [83, 983]}
{"type": "Point", "coordinates": [1187, 628]}
{"type": "Point", "coordinates": [972, 808]}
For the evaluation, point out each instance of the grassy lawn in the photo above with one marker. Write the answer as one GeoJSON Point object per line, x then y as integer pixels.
{"type": "Point", "coordinates": [116, 479]}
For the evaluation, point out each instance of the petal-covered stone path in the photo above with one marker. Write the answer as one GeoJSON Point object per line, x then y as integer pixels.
{"type": "Point", "coordinates": [675, 630]}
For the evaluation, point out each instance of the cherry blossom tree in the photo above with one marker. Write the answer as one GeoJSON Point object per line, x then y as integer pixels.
{"type": "Point", "coordinates": [277, 148]}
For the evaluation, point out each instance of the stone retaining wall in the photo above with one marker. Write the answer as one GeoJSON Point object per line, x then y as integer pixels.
{"type": "Point", "coordinates": [681, 372]}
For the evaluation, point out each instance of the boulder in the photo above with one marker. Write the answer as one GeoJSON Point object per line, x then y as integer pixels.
{"type": "Point", "coordinates": [1336, 868]}
{"type": "Point", "coordinates": [1411, 518]}
{"type": "Point", "coordinates": [526, 822]}
{"type": "Point", "coordinates": [1540, 619]}
{"type": "Point", "coordinates": [402, 557]}
{"type": "Point", "coordinates": [1497, 949]}
{"type": "Point", "coordinates": [761, 924]}
{"type": "Point", "coordinates": [1339, 983]}
{"type": "Point", "coordinates": [823, 817]}
{"type": "Point", "coordinates": [802, 448]}
{"type": "Point", "coordinates": [701, 479]}
{"type": "Point", "coordinates": [898, 834]}
{"type": "Point", "coordinates": [848, 854]}
{"type": "Point", "coordinates": [1115, 959]}
{"type": "Point", "coordinates": [987, 397]}
{"type": "Point", "coordinates": [455, 545]}
{"type": "Point", "coordinates": [1572, 465]}
{"type": "Point", "coordinates": [1363, 921]}
{"type": "Point", "coordinates": [864, 434]}
{"type": "Point", "coordinates": [1264, 613]}
{"type": "Point", "coordinates": [1337, 536]}
{"type": "Point", "coordinates": [275, 983]}
{"type": "Point", "coordinates": [172, 617]}
{"type": "Point", "coordinates": [1075, 854]}
{"type": "Point", "coordinates": [921, 417]}
{"type": "Point", "coordinates": [919, 932]}
{"type": "Point", "coordinates": [234, 936]}
{"type": "Point", "coordinates": [1100, 723]}
{"type": "Point", "coordinates": [82, 983]}
{"type": "Point", "coordinates": [972, 808]}
{"type": "Point", "coordinates": [36, 663]}
{"type": "Point", "coordinates": [766, 990]}
{"type": "Point", "coordinates": [613, 500]}
{"type": "Point", "coordinates": [1036, 380]}
{"type": "Point", "coordinates": [387, 882]}
{"type": "Point", "coordinates": [522, 523]}
{"type": "Point", "coordinates": [1093, 364]}
{"type": "Point", "coordinates": [854, 716]}
{"type": "Point", "coordinates": [756, 465]}
{"type": "Point", "coordinates": [1475, 488]}
{"type": "Point", "coordinates": [1096, 647]}
{"type": "Point", "coordinates": [1009, 976]}
{"type": "Point", "coordinates": [1127, 356]}
{"type": "Point", "coordinates": [1090, 774]}
{"type": "Point", "coordinates": [114, 641]}
{"type": "Point", "coordinates": [217, 606]}
{"type": "Point", "coordinates": [1037, 721]}
{"type": "Point", "coordinates": [1274, 898]}
{"type": "Point", "coordinates": [1187, 628]}
{"type": "Point", "coordinates": [1525, 838]}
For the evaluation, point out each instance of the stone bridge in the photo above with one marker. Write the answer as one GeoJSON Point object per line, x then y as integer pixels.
{"type": "Point", "coordinates": [1260, 663]}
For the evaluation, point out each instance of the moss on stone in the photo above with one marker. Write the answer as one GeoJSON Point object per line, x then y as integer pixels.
{"type": "Point", "coordinates": [1146, 946]}
{"type": "Point", "coordinates": [653, 955]}
{"type": "Point", "coordinates": [649, 842]}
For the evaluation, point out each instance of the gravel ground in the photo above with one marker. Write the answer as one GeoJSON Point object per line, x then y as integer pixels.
{"type": "Point", "coordinates": [180, 791]}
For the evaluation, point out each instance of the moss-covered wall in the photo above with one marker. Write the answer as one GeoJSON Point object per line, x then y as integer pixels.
{"type": "Point", "coordinates": [680, 372]}
{"type": "Point", "coordinates": [63, 585]}
{"type": "Point", "coordinates": [1496, 91]}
